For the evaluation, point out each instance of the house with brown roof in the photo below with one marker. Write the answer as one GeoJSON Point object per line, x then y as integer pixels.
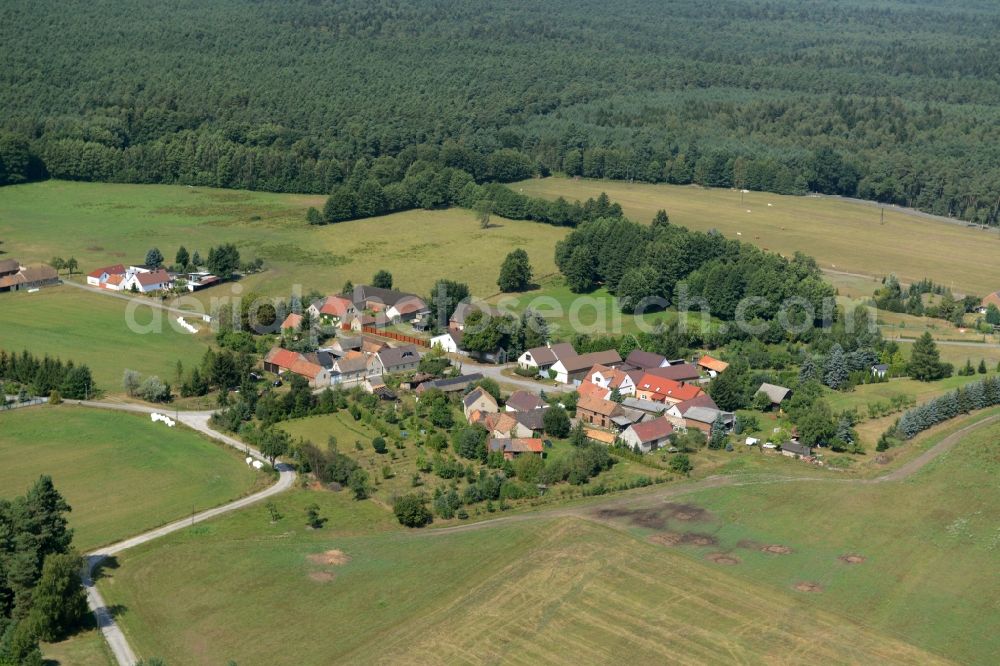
{"type": "Point", "coordinates": [679, 372]}
{"type": "Point", "coordinates": [644, 360]}
{"type": "Point", "coordinates": [513, 448]}
{"type": "Point", "coordinates": [524, 401]}
{"type": "Point", "coordinates": [450, 341]}
{"type": "Point", "coordinates": [990, 299]}
{"type": "Point", "coordinates": [532, 422]}
{"type": "Point", "coordinates": [575, 368]}
{"type": "Point", "coordinates": [596, 411]}
{"type": "Point", "coordinates": [479, 400]}
{"type": "Point", "coordinates": [29, 277]}
{"type": "Point", "coordinates": [676, 410]}
{"type": "Point", "coordinates": [465, 308]}
{"type": "Point", "coordinates": [712, 365]}
{"type": "Point", "coordinates": [657, 389]}
{"type": "Point", "coordinates": [393, 360]}
{"type": "Point", "coordinates": [9, 267]}
{"type": "Point", "coordinates": [349, 370]}
{"type": "Point", "coordinates": [146, 281]}
{"type": "Point", "coordinates": [543, 358]}
{"type": "Point", "coordinates": [648, 435]}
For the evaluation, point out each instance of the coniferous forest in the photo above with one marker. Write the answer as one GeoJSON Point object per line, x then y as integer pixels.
{"type": "Point", "coordinates": [891, 100]}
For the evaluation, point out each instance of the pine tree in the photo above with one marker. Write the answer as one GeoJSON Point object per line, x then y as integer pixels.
{"type": "Point", "coordinates": [836, 372]}
{"type": "Point", "coordinates": [925, 360]}
{"type": "Point", "coordinates": [982, 367]}
{"type": "Point", "coordinates": [154, 258]}
{"type": "Point", "coordinates": [808, 371]}
{"type": "Point", "coordinates": [183, 258]}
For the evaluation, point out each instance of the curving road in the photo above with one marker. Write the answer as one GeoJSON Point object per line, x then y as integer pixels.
{"type": "Point", "coordinates": [112, 633]}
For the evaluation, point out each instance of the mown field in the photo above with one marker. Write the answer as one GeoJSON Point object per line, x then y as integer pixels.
{"type": "Point", "coordinates": [553, 591]}
{"type": "Point", "coordinates": [842, 235]}
{"type": "Point", "coordinates": [929, 545]}
{"type": "Point", "coordinates": [83, 327]}
{"type": "Point", "coordinates": [121, 473]}
{"type": "Point", "coordinates": [103, 224]}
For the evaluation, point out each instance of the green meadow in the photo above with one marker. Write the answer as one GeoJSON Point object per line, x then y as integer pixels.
{"type": "Point", "coordinates": [121, 473]}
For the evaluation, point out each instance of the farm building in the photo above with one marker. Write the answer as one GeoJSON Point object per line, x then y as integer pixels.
{"type": "Point", "coordinates": [479, 400]}
{"type": "Point", "coordinates": [24, 278]}
{"type": "Point", "coordinates": [648, 435]}
{"type": "Point", "coordinates": [596, 411]}
{"type": "Point", "coordinates": [712, 365]}
{"type": "Point", "coordinates": [574, 369]}
{"type": "Point", "coordinates": [523, 401]}
{"type": "Point", "coordinates": [776, 394]}
{"type": "Point", "coordinates": [544, 358]}
{"type": "Point", "coordinates": [513, 448]}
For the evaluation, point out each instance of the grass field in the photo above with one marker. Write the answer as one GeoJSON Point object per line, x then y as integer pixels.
{"type": "Point", "coordinates": [86, 648]}
{"type": "Point", "coordinates": [83, 327]}
{"type": "Point", "coordinates": [121, 473]}
{"type": "Point", "coordinates": [103, 224]}
{"type": "Point", "coordinates": [842, 235]}
{"type": "Point", "coordinates": [538, 592]}
{"type": "Point", "coordinates": [929, 546]}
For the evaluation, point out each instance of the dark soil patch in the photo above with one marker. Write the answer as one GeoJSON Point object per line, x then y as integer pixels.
{"type": "Point", "coordinates": [722, 558]}
{"type": "Point", "coordinates": [851, 559]}
{"type": "Point", "coordinates": [684, 539]}
{"type": "Point", "coordinates": [749, 544]}
{"type": "Point", "coordinates": [656, 518]}
{"type": "Point", "coordinates": [687, 512]}
{"type": "Point", "coordinates": [807, 586]}
{"type": "Point", "coordinates": [776, 549]}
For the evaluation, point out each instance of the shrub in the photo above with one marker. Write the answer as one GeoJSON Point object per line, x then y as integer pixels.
{"type": "Point", "coordinates": [411, 511]}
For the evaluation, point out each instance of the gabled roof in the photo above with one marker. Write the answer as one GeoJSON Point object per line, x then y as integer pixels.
{"type": "Point", "coordinates": [589, 389]}
{"type": "Point", "coordinates": [645, 405]}
{"type": "Point", "coordinates": [775, 393]}
{"type": "Point", "coordinates": [523, 401]}
{"type": "Point", "coordinates": [679, 372]}
{"type": "Point", "coordinates": [117, 269]}
{"type": "Point", "coordinates": [334, 306]}
{"type": "Point", "coordinates": [453, 333]}
{"type": "Point", "coordinates": [350, 362]}
{"type": "Point", "coordinates": [714, 364]}
{"type": "Point", "coordinates": [292, 321]}
{"type": "Point", "coordinates": [597, 405]}
{"type": "Point", "coordinates": [668, 388]}
{"type": "Point", "coordinates": [306, 368]}
{"type": "Point", "coordinates": [644, 359]}
{"type": "Point", "coordinates": [152, 278]}
{"type": "Point", "coordinates": [13, 265]}
{"type": "Point", "coordinates": [387, 297]}
{"type": "Point", "coordinates": [702, 400]}
{"type": "Point", "coordinates": [465, 308]}
{"type": "Point", "coordinates": [532, 420]}
{"type": "Point", "coordinates": [614, 376]}
{"type": "Point", "coordinates": [601, 436]}
{"type": "Point", "coordinates": [392, 357]}
{"type": "Point", "coordinates": [584, 361]}
{"type": "Point", "coordinates": [650, 431]}
{"type": "Point", "coordinates": [520, 445]}
{"type": "Point", "coordinates": [282, 358]}
{"type": "Point", "coordinates": [349, 342]}
{"type": "Point", "coordinates": [409, 305]}
{"type": "Point", "coordinates": [475, 394]}
{"type": "Point", "coordinates": [702, 414]}
{"type": "Point", "coordinates": [551, 354]}
{"type": "Point", "coordinates": [456, 383]}
{"type": "Point", "coordinates": [503, 422]}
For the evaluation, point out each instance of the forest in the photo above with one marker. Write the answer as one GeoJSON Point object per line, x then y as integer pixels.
{"type": "Point", "coordinates": [888, 100]}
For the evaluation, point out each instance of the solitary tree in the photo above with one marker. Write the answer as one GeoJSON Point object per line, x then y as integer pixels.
{"type": "Point", "coordinates": [58, 263]}
{"type": "Point", "coordinates": [154, 258]}
{"type": "Point", "coordinates": [314, 217]}
{"type": "Point", "coordinates": [515, 273]}
{"type": "Point", "coordinates": [925, 359]}
{"type": "Point", "coordinates": [382, 280]}
{"type": "Point", "coordinates": [484, 209]}
{"type": "Point", "coordinates": [183, 258]}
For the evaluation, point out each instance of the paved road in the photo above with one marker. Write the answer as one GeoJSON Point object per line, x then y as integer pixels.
{"type": "Point", "coordinates": [495, 372]}
{"type": "Point", "coordinates": [113, 634]}
{"type": "Point", "coordinates": [148, 302]}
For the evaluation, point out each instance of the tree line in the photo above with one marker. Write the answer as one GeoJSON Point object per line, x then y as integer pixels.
{"type": "Point", "coordinates": [719, 95]}
{"type": "Point", "coordinates": [43, 376]}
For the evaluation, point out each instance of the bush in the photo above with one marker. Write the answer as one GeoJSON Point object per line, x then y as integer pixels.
{"type": "Point", "coordinates": [379, 445]}
{"type": "Point", "coordinates": [411, 511]}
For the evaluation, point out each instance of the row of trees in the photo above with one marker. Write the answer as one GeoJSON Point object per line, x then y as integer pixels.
{"type": "Point", "coordinates": [45, 375]}
{"type": "Point", "coordinates": [974, 395]}
{"type": "Point", "coordinates": [41, 598]}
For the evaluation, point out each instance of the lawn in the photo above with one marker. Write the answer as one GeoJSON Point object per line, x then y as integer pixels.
{"type": "Point", "coordinates": [929, 546]}
{"type": "Point", "coordinates": [567, 591]}
{"type": "Point", "coordinates": [842, 235]}
{"type": "Point", "coordinates": [121, 473]}
{"type": "Point", "coordinates": [86, 648]}
{"type": "Point", "coordinates": [103, 224]}
{"type": "Point", "coordinates": [91, 328]}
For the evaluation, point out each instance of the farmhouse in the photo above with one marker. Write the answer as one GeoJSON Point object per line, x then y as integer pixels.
{"type": "Point", "coordinates": [501, 425]}
{"type": "Point", "coordinates": [544, 358]}
{"type": "Point", "coordinates": [643, 360]}
{"type": "Point", "coordinates": [648, 435]}
{"type": "Point", "coordinates": [146, 281]}
{"type": "Point", "coordinates": [349, 370]}
{"type": "Point", "coordinates": [612, 378]}
{"type": "Point", "coordinates": [679, 372]}
{"type": "Point", "coordinates": [375, 299]}
{"type": "Point", "coordinates": [410, 308]}
{"type": "Point", "coordinates": [109, 277]}
{"type": "Point", "coordinates": [392, 360]}
{"type": "Point", "coordinates": [712, 365]}
{"type": "Point", "coordinates": [279, 360]}
{"type": "Point", "coordinates": [513, 448]}
{"type": "Point", "coordinates": [464, 309]}
{"type": "Point", "coordinates": [594, 410]}
{"type": "Point", "coordinates": [532, 422]}
{"type": "Point", "coordinates": [647, 407]}
{"type": "Point", "coordinates": [657, 389]}
{"type": "Point", "coordinates": [573, 369]}
{"type": "Point", "coordinates": [9, 267]}
{"type": "Point", "coordinates": [450, 341]}
{"type": "Point", "coordinates": [343, 345]}
{"type": "Point", "coordinates": [776, 394]}
{"type": "Point", "coordinates": [293, 322]}
{"type": "Point", "coordinates": [25, 278]}
{"type": "Point", "coordinates": [332, 309]}
{"type": "Point", "coordinates": [479, 400]}
{"type": "Point", "coordinates": [523, 401]}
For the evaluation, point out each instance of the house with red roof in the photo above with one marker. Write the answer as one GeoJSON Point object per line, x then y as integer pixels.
{"type": "Point", "coordinates": [146, 281]}
{"type": "Point", "coordinates": [658, 389]}
{"type": "Point", "coordinates": [293, 322]}
{"type": "Point", "coordinates": [513, 448]}
{"type": "Point", "coordinates": [101, 277]}
{"type": "Point", "coordinates": [332, 309]}
{"type": "Point", "coordinates": [712, 365]}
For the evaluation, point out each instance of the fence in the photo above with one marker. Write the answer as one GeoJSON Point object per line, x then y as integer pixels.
{"type": "Point", "coordinates": [392, 335]}
{"type": "Point", "coordinates": [12, 403]}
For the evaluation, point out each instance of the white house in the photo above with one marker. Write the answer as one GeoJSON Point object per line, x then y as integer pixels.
{"type": "Point", "coordinates": [146, 281]}
{"type": "Point", "coordinates": [448, 341]}
{"type": "Point", "coordinates": [612, 378]}
{"type": "Point", "coordinates": [544, 358]}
